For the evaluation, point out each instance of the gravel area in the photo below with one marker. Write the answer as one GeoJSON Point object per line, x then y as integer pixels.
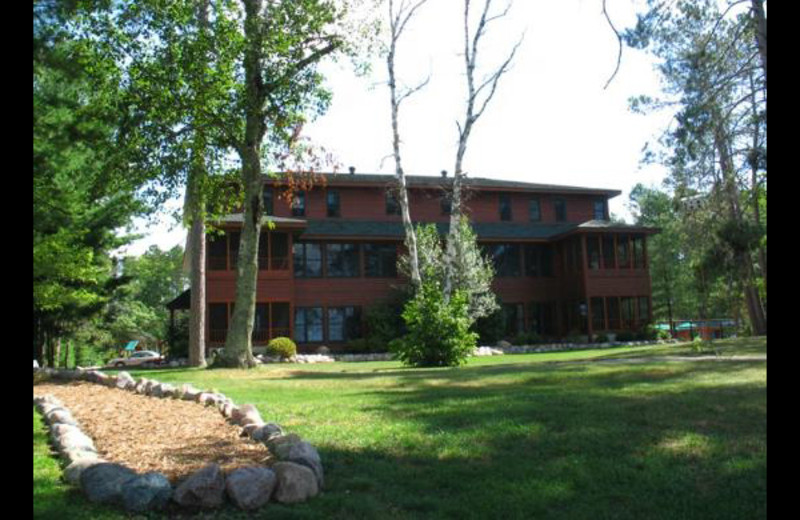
{"type": "Point", "coordinates": [145, 433]}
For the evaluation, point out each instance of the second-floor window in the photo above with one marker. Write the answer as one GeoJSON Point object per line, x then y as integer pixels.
{"type": "Point", "coordinates": [332, 198]}
{"type": "Point", "coordinates": [534, 210]}
{"type": "Point", "coordinates": [307, 259]}
{"type": "Point", "coordinates": [341, 260]}
{"type": "Point", "coordinates": [380, 260]}
{"type": "Point", "coordinates": [267, 198]}
{"type": "Point", "coordinates": [392, 205]}
{"type": "Point", "coordinates": [299, 204]}
{"type": "Point", "coordinates": [505, 206]}
{"type": "Point", "coordinates": [599, 209]}
{"type": "Point", "coordinates": [446, 204]}
{"type": "Point", "coordinates": [560, 206]}
{"type": "Point", "coordinates": [506, 259]}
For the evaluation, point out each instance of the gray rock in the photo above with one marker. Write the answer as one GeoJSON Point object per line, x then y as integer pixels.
{"type": "Point", "coordinates": [104, 482]}
{"type": "Point", "coordinates": [60, 415]}
{"type": "Point", "coordinates": [73, 440]}
{"type": "Point", "coordinates": [189, 393]}
{"type": "Point", "coordinates": [301, 453]}
{"type": "Point", "coordinates": [246, 414]}
{"type": "Point", "coordinates": [35, 364]}
{"type": "Point", "coordinates": [265, 432]}
{"type": "Point", "coordinates": [250, 487]}
{"type": "Point", "coordinates": [204, 488]}
{"type": "Point", "coordinates": [296, 483]}
{"type": "Point", "coordinates": [145, 492]}
{"type": "Point", "coordinates": [273, 442]}
{"type": "Point", "coordinates": [72, 473]}
{"type": "Point", "coordinates": [125, 381]}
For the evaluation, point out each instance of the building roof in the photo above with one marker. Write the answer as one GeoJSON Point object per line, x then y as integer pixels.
{"type": "Point", "coordinates": [433, 181]}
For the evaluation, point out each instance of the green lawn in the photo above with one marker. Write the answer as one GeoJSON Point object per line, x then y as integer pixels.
{"type": "Point", "coordinates": [516, 436]}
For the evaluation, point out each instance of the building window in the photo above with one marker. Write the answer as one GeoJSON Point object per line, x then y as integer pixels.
{"type": "Point", "coordinates": [233, 249]}
{"type": "Point", "coordinates": [638, 251]}
{"type": "Point", "coordinates": [623, 252]}
{"type": "Point", "coordinates": [644, 310]}
{"type": "Point", "coordinates": [600, 209]}
{"type": "Point", "coordinates": [268, 201]}
{"type": "Point", "coordinates": [332, 198]}
{"type": "Point", "coordinates": [538, 260]}
{"type": "Point", "coordinates": [608, 252]}
{"type": "Point", "coordinates": [505, 258]}
{"type": "Point", "coordinates": [308, 324]}
{"type": "Point", "coordinates": [514, 317]}
{"type": "Point", "coordinates": [593, 251]}
{"type": "Point", "coordinates": [217, 253]}
{"type": "Point", "coordinates": [626, 303]}
{"type": "Point", "coordinates": [598, 314]}
{"type": "Point", "coordinates": [613, 312]}
{"type": "Point", "coordinates": [344, 323]}
{"type": "Point", "coordinates": [341, 260]}
{"type": "Point", "coordinates": [560, 207]}
{"type": "Point", "coordinates": [505, 207]}
{"type": "Point", "coordinates": [380, 260]}
{"type": "Point", "coordinates": [307, 260]}
{"type": "Point", "coordinates": [299, 204]}
{"type": "Point", "coordinates": [217, 322]}
{"type": "Point", "coordinates": [446, 204]}
{"type": "Point", "coordinates": [534, 210]}
{"type": "Point", "coordinates": [392, 205]}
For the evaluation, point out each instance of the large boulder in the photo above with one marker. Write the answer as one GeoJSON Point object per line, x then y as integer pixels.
{"type": "Point", "coordinates": [301, 453]}
{"type": "Point", "coordinates": [204, 488]}
{"type": "Point", "coordinates": [72, 473]}
{"type": "Point", "coordinates": [145, 492]}
{"type": "Point", "coordinates": [250, 487]}
{"type": "Point", "coordinates": [73, 440]}
{"type": "Point", "coordinates": [104, 482]}
{"type": "Point", "coordinates": [296, 483]}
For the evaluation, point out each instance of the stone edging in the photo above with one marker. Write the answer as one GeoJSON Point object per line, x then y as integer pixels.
{"type": "Point", "coordinates": [297, 476]}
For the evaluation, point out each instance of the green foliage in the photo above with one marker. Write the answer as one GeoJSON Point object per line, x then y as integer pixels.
{"type": "Point", "coordinates": [491, 328]}
{"type": "Point", "coordinates": [383, 324]}
{"type": "Point", "coordinates": [282, 347]}
{"type": "Point", "coordinates": [438, 330]}
{"type": "Point", "coordinates": [626, 335]}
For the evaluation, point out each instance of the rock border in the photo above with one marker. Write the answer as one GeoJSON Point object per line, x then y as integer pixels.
{"type": "Point", "coordinates": [297, 476]}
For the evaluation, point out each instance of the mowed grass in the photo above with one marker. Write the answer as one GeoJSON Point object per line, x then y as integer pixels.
{"type": "Point", "coordinates": [520, 436]}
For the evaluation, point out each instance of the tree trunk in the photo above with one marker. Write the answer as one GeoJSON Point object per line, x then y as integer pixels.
{"type": "Point", "coordinates": [761, 33]}
{"type": "Point", "coordinates": [197, 326]}
{"type": "Point", "coordinates": [238, 345]}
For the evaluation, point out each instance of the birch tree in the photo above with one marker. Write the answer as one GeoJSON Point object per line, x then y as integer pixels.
{"type": "Point", "coordinates": [480, 92]}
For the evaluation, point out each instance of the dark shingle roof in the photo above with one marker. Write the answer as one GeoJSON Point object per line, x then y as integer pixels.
{"type": "Point", "coordinates": [344, 179]}
{"type": "Point", "coordinates": [493, 230]}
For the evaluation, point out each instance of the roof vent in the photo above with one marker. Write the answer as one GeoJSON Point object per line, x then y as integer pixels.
{"type": "Point", "coordinates": [352, 170]}
{"type": "Point", "coordinates": [444, 174]}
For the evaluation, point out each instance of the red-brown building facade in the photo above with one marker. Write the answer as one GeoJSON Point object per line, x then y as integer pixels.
{"type": "Point", "coordinates": [562, 268]}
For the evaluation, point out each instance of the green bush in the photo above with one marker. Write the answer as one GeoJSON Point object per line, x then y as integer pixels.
{"type": "Point", "coordinates": [438, 331]}
{"type": "Point", "coordinates": [282, 347]}
{"type": "Point", "coordinates": [601, 338]}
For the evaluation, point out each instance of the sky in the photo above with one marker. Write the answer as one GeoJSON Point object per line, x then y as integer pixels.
{"type": "Point", "coordinates": [551, 121]}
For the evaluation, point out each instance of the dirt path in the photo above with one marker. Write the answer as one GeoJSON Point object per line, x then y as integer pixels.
{"type": "Point", "coordinates": [151, 434]}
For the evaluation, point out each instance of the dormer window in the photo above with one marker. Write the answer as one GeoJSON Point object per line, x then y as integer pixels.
{"type": "Point", "coordinates": [299, 204]}
{"type": "Point", "coordinates": [600, 209]}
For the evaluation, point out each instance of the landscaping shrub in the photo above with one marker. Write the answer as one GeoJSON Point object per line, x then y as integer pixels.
{"type": "Point", "coordinates": [282, 347]}
{"type": "Point", "coordinates": [491, 328]}
{"type": "Point", "coordinates": [438, 331]}
{"type": "Point", "coordinates": [601, 338]}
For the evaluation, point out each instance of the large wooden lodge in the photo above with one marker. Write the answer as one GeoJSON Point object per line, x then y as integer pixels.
{"type": "Point", "coordinates": [562, 268]}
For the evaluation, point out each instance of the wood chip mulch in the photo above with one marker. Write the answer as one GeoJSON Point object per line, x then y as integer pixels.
{"type": "Point", "coordinates": [146, 433]}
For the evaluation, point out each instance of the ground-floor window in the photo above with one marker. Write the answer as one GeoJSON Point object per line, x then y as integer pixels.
{"type": "Point", "coordinates": [598, 314]}
{"type": "Point", "coordinates": [344, 323]}
{"type": "Point", "coordinates": [308, 324]}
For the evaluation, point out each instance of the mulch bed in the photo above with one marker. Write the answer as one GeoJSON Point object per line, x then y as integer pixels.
{"type": "Point", "coordinates": [145, 433]}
